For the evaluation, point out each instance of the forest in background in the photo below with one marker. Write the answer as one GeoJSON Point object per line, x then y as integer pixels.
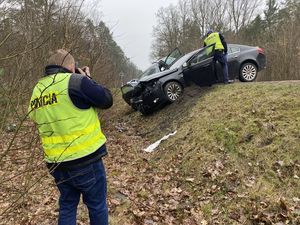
{"type": "Point", "coordinates": [31, 29]}
{"type": "Point", "coordinates": [271, 24]}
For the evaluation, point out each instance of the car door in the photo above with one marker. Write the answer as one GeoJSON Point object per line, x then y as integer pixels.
{"type": "Point", "coordinates": [233, 61]}
{"type": "Point", "coordinates": [200, 68]}
{"type": "Point", "coordinates": [172, 57]}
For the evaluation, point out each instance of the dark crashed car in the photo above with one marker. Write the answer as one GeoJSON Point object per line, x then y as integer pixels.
{"type": "Point", "coordinates": [151, 91]}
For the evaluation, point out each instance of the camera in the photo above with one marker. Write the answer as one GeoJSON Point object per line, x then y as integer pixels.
{"type": "Point", "coordinates": [83, 70]}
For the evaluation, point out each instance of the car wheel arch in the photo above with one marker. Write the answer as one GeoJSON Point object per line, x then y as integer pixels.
{"type": "Point", "coordinates": [248, 61]}
{"type": "Point", "coordinates": [172, 80]}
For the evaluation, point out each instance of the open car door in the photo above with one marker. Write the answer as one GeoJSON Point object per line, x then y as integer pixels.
{"type": "Point", "coordinates": [200, 68]}
{"type": "Point", "coordinates": [172, 57]}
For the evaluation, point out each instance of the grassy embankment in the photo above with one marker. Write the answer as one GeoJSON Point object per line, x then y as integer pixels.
{"type": "Point", "coordinates": [234, 160]}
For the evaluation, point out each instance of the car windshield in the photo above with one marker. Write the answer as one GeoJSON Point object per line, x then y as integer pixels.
{"type": "Point", "coordinates": [182, 60]}
{"type": "Point", "coordinates": [151, 70]}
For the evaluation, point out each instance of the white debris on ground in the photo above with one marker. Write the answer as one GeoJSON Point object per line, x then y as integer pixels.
{"type": "Point", "coordinates": [153, 146]}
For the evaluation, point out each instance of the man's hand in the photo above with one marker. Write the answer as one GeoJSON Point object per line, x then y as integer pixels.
{"type": "Point", "coordinates": [85, 71]}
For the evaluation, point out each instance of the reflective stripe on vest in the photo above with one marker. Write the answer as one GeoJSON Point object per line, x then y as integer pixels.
{"type": "Point", "coordinates": [66, 132]}
{"type": "Point", "coordinates": [214, 38]}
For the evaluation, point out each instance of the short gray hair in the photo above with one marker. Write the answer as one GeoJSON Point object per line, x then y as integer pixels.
{"type": "Point", "coordinates": [61, 57]}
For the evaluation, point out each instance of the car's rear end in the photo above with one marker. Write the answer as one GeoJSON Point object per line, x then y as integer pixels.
{"type": "Point", "coordinates": [261, 58]}
{"type": "Point", "coordinates": [255, 54]}
{"type": "Point", "coordinates": [247, 61]}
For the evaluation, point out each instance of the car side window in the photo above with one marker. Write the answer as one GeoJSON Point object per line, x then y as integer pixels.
{"type": "Point", "coordinates": [202, 55]}
{"type": "Point", "coordinates": [234, 49]}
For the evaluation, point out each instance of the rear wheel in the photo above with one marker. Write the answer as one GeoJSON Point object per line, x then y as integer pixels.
{"type": "Point", "coordinates": [173, 90]}
{"type": "Point", "coordinates": [248, 72]}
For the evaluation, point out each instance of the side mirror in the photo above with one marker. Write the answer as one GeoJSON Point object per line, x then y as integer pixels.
{"type": "Point", "coordinates": [162, 68]}
{"type": "Point", "coordinates": [185, 65]}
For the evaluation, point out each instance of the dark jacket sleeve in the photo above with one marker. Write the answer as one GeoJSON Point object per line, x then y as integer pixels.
{"type": "Point", "coordinates": [224, 43]}
{"type": "Point", "coordinates": [86, 93]}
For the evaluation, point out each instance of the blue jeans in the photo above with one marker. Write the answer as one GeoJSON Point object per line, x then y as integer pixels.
{"type": "Point", "coordinates": [222, 59]}
{"type": "Point", "coordinates": [90, 181]}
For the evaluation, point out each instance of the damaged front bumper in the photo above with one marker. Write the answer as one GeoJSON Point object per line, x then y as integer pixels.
{"type": "Point", "coordinates": [149, 98]}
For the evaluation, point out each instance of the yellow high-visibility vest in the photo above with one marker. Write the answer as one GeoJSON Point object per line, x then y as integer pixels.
{"type": "Point", "coordinates": [214, 38]}
{"type": "Point", "coordinates": [66, 132]}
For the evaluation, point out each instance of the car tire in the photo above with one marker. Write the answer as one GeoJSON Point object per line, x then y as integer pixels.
{"type": "Point", "coordinates": [248, 72]}
{"type": "Point", "coordinates": [173, 90]}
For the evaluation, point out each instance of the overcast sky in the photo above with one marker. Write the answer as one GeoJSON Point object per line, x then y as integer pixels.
{"type": "Point", "coordinates": [131, 22]}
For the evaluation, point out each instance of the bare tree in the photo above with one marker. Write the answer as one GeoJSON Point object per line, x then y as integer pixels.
{"type": "Point", "coordinates": [241, 12]}
{"type": "Point", "coordinates": [183, 25]}
{"type": "Point", "coordinates": [209, 14]}
{"type": "Point", "coordinates": [29, 30]}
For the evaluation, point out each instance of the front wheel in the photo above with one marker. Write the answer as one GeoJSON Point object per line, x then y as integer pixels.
{"type": "Point", "coordinates": [248, 72]}
{"type": "Point", "coordinates": [173, 90]}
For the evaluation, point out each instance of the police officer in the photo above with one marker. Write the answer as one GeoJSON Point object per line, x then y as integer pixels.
{"type": "Point", "coordinates": [220, 53]}
{"type": "Point", "coordinates": [63, 106]}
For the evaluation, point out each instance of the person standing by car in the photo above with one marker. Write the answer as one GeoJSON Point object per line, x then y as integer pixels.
{"type": "Point", "coordinates": [220, 53]}
{"type": "Point", "coordinates": [63, 107]}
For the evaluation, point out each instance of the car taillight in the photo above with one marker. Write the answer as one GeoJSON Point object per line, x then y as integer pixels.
{"type": "Point", "coordinates": [261, 50]}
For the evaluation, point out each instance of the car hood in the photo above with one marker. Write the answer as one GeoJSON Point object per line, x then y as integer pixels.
{"type": "Point", "coordinates": [157, 75]}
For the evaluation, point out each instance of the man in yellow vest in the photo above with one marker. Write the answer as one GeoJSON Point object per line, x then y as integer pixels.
{"type": "Point", "coordinates": [63, 107]}
{"type": "Point", "coordinates": [220, 53]}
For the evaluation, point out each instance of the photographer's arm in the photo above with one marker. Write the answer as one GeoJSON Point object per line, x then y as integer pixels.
{"type": "Point", "coordinates": [86, 93]}
{"type": "Point", "coordinates": [96, 95]}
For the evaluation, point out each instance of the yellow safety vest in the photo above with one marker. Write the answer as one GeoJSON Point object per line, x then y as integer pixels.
{"type": "Point", "coordinates": [66, 132]}
{"type": "Point", "coordinates": [214, 38]}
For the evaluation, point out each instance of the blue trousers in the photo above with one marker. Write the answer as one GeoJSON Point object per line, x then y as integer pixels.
{"type": "Point", "coordinates": [222, 59]}
{"type": "Point", "coordinates": [90, 181]}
